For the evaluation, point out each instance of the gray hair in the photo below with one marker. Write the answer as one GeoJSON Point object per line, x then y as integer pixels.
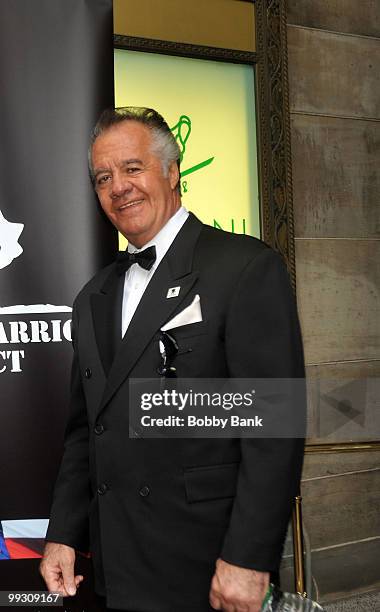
{"type": "Point", "coordinates": [164, 144]}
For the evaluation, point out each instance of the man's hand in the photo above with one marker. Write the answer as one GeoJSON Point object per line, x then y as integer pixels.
{"type": "Point", "coordinates": [57, 569]}
{"type": "Point", "coordinates": [237, 589]}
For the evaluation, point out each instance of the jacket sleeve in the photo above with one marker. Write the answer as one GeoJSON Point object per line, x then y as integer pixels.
{"type": "Point", "coordinates": [263, 340]}
{"type": "Point", "coordinates": [69, 513]}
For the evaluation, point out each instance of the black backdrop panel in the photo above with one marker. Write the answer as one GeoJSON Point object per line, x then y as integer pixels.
{"type": "Point", "coordinates": [56, 73]}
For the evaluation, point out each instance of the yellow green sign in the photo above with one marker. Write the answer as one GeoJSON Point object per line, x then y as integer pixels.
{"type": "Point", "coordinates": [210, 107]}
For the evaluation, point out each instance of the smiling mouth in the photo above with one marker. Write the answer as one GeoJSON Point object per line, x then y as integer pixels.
{"type": "Point", "coordinates": [130, 205]}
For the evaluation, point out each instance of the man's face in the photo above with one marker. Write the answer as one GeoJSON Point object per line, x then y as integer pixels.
{"type": "Point", "coordinates": [130, 184]}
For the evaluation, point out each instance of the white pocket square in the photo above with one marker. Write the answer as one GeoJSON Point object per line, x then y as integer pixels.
{"type": "Point", "coordinates": [190, 314]}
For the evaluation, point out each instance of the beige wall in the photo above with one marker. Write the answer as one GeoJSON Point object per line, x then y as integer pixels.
{"type": "Point", "coordinates": [334, 59]}
{"type": "Point", "coordinates": [216, 23]}
{"type": "Point", "coordinates": [334, 63]}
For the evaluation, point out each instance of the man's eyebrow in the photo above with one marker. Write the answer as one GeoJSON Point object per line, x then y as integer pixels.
{"type": "Point", "coordinates": [99, 171]}
{"type": "Point", "coordinates": [131, 161]}
{"type": "Point", "coordinates": [126, 162]}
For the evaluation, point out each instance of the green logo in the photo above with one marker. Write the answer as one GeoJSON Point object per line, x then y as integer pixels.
{"type": "Point", "coordinates": [234, 226]}
{"type": "Point", "coordinates": [182, 131]}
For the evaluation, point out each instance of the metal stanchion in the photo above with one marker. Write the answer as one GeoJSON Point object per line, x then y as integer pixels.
{"type": "Point", "coordinates": [299, 569]}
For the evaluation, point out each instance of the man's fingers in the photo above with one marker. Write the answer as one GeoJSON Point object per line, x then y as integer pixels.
{"type": "Point", "coordinates": [237, 589]}
{"type": "Point", "coordinates": [214, 598]}
{"type": "Point", "coordinates": [52, 577]}
{"type": "Point", "coordinates": [52, 581]}
{"type": "Point", "coordinates": [57, 569]}
{"type": "Point", "coordinates": [78, 579]}
{"type": "Point", "coordinates": [68, 578]}
{"type": "Point", "coordinates": [226, 607]}
{"type": "Point", "coordinates": [215, 602]}
{"type": "Point", "coordinates": [219, 603]}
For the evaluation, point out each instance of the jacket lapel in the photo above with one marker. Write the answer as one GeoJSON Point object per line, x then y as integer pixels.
{"type": "Point", "coordinates": [155, 308]}
{"type": "Point", "coordinates": [106, 313]}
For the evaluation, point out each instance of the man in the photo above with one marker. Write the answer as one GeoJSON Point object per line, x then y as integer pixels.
{"type": "Point", "coordinates": [172, 524]}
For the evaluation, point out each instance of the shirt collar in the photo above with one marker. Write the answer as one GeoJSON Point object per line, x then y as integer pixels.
{"type": "Point", "coordinates": [163, 240]}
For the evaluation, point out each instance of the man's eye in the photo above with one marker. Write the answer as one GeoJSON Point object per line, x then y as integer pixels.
{"type": "Point", "coordinates": [103, 179]}
{"type": "Point", "coordinates": [133, 169]}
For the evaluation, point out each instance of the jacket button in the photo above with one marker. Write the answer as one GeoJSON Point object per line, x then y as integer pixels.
{"type": "Point", "coordinates": [88, 373]}
{"type": "Point", "coordinates": [102, 488]}
{"type": "Point", "coordinates": [99, 429]}
{"type": "Point", "coordinates": [144, 491]}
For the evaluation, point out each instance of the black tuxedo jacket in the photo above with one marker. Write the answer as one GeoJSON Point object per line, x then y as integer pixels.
{"type": "Point", "coordinates": [156, 514]}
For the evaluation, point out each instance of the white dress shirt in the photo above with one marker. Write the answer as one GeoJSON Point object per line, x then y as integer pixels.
{"type": "Point", "coordinates": [136, 278]}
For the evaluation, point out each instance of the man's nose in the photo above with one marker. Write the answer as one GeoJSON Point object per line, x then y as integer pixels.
{"type": "Point", "coordinates": [120, 186]}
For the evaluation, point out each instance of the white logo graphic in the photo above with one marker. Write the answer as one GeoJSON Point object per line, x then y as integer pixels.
{"type": "Point", "coordinates": [9, 245]}
{"type": "Point", "coordinates": [33, 309]}
{"type": "Point", "coordinates": [57, 329]}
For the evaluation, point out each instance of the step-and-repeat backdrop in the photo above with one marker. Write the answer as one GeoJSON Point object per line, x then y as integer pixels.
{"type": "Point", "coordinates": [56, 71]}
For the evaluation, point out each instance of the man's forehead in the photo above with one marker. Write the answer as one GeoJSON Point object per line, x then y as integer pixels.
{"type": "Point", "coordinates": [129, 130]}
{"type": "Point", "coordinates": [123, 140]}
{"type": "Point", "coordinates": [126, 135]}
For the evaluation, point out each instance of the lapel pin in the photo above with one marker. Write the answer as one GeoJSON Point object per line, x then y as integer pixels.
{"type": "Point", "coordinates": [173, 292]}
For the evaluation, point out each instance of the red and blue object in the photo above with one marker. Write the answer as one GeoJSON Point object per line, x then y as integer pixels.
{"type": "Point", "coordinates": [22, 539]}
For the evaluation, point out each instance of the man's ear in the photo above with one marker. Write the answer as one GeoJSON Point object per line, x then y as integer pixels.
{"type": "Point", "coordinates": [173, 175]}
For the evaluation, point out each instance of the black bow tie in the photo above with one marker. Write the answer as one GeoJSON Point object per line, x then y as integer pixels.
{"type": "Point", "coordinates": [145, 259]}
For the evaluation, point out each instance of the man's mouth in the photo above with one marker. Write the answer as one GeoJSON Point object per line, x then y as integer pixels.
{"type": "Point", "coordinates": [130, 204]}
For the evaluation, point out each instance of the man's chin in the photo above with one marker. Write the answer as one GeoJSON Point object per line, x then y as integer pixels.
{"type": "Point", "coordinates": [135, 235]}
